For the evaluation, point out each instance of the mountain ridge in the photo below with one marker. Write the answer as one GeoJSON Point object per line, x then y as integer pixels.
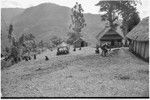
{"type": "Point", "coordinates": [47, 19]}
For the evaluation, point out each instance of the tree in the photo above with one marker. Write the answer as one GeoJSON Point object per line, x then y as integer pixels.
{"type": "Point", "coordinates": [129, 23]}
{"type": "Point", "coordinates": [110, 15]}
{"type": "Point", "coordinates": [77, 17]}
{"type": "Point", "coordinates": [41, 44]}
{"type": "Point", "coordinates": [56, 40]}
{"type": "Point", "coordinates": [113, 9]}
{"type": "Point", "coordinates": [27, 41]}
{"type": "Point", "coordinates": [133, 21]}
{"type": "Point", "coordinates": [10, 30]}
{"type": "Point", "coordinates": [72, 37]}
{"type": "Point", "coordinates": [13, 50]}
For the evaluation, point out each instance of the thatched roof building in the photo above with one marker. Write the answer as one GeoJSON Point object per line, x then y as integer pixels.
{"type": "Point", "coordinates": [80, 42]}
{"type": "Point", "coordinates": [139, 39]}
{"type": "Point", "coordinates": [141, 31]}
{"type": "Point", "coordinates": [109, 35]}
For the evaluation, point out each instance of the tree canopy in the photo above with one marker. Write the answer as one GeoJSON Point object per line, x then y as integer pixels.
{"type": "Point", "coordinates": [125, 9]}
{"type": "Point", "coordinates": [78, 23]}
{"type": "Point", "coordinates": [77, 17]}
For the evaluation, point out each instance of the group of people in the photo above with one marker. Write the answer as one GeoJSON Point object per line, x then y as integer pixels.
{"type": "Point", "coordinates": [27, 58]}
{"type": "Point", "coordinates": [105, 48]}
{"type": "Point", "coordinates": [74, 49]}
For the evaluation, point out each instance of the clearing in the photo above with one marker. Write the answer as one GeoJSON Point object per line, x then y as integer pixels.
{"type": "Point", "coordinates": [79, 74]}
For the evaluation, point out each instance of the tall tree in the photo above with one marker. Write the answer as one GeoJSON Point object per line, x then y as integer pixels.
{"type": "Point", "coordinates": [77, 17]}
{"type": "Point", "coordinates": [109, 9]}
{"type": "Point", "coordinates": [27, 41]}
{"type": "Point", "coordinates": [10, 30]}
{"type": "Point", "coordinates": [129, 23]}
{"type": "Point", "coordinates": [125, 9]}
{"type": "Point", "coordinates": [11, 36]}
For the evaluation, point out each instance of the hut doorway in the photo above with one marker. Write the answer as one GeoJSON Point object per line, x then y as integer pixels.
{"type": "Point", "coordinates": [112, 43]}
{"type": "Point", "coordinates": [82, 44]}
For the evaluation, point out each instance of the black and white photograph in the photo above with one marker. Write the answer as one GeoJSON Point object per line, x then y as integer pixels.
{"type": "Point", "coordinates": [74, 49]}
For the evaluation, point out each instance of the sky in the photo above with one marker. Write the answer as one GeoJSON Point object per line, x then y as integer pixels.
{"type": "Point", "coordinates": [87, 5]}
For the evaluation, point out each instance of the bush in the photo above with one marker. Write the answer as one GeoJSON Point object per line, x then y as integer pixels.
{"type": "Point", "coordinates": [6, 64]}
{"type": "Point", "coordinates": [56, 40]}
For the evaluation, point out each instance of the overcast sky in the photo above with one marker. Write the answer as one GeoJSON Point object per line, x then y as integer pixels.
{"type": "Point", "coordinates": [88, 5]}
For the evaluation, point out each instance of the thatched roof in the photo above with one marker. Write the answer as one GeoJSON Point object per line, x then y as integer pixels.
{"type": "Point", "coordinates": [63, 44]}
{"type": "Point", "coordinates": [79, 39]}
{"type": "Point", "coordinates": [108, 34]}
{"type": "Point", "coordinates": [141, 31]}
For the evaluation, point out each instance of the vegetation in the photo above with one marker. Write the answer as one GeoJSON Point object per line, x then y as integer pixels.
{"type": "Point", "coordinates": [55, 40]}
{"type": "Point", "coordinates": [124, 9]}
{"type": "Point", "coordinates": [78, 23]}
{"type": "Point", "coordinates": [110, 15]}
{"type": "Point", "coordinates": [72, 37]}
{"type": "Point", "coordinates": [77, 17]}
{"type": "Point", "coordinates": [129, 24]}
{"type": "Point", "coordinates": [19, 47]}
{"type": "Point", "coordinates": [41, 44]}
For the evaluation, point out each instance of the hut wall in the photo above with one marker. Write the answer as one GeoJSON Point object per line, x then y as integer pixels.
{"type": "Point", "coordinates": [130, 46]}
{"type": "Point", "coordinates": [80, 43]}
{"type": "Point", "coordinates": [146, 50]}
{"type": "Point", "coordinates": [77, 44]}
{"type": "Point", "coordinates": [138, 47]}
{"type": "Point", "coordinates": [141, 49]}
{"type": "Point", "coordinates": [134, 46]}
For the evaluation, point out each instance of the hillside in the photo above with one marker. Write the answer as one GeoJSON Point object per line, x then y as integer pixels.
{"type": "Point", "coordinates": [46, 20]}
{"type": "Point", "coordinates": [7, 15]}
{"type": "Point", "coordinates": [49, 19]}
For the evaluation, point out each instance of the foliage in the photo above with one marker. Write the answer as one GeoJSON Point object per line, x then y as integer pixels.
{"type": "Point", "coordinates": [72, 37]}
{"type": "Point", "coordinates": [18, 47]}
{"type": "Point", "coordinates": [125, 9]}
{"type": "Point", "coordinates": [41, 44]}
{"type": "Point", "coordinates": [26, 37]}
{"type": "Point", "coordinates": [109, 8]}
{"type": "Point", "coordinates": [10, 30]}
{"type": "Point", "coordinates": [78, 23]}
{"type": "Point", "coordinates": [7, 49]}
{"type": "Point", "coordinates": [128, 25]}
{"type": "Point", "coordinates": [55, 40]}
{"type": "Point", "coordinates": [77, 17]}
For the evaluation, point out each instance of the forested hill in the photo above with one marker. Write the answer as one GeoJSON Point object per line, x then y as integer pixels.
{"type": "Point", "coordinates": [47, 19]}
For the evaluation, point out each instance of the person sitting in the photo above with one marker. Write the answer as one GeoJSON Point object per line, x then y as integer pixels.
{"type": "Point", "coordinates": [109, 46]}
{"type": "Point", "coordinates": [34, 56]}
{"type": "Point", "coordinates": [74, 49]}
{"type": "Point", "coordinates": [29, 58]}
{"type": "Point", "coordinates": [26, 58]}
{"type": "Point", "coordinates": [46, 58]}
{"type": "Point", "coordinates": [97, 49]}
{"type": "Point", "coordinates": [2, 55]}
{"type": "Point", "coordinates": [80, 48]}
{"type": "Point", "coordinates": [105, 50]}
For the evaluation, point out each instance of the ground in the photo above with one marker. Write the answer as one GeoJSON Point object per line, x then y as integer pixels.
{"type": "Point", "coordinates": [79, 74]}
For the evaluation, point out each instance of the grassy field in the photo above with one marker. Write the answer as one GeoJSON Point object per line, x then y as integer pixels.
{"type": "Point", "coordinates": [79, 74]}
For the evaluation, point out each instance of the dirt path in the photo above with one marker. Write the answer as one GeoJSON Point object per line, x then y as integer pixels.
{"type": "Point", "coordinates": [78, 74]}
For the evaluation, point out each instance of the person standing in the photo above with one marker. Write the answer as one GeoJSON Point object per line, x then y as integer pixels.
{"type": "Point", "coordinates": [104, 49]}
{"type": "Point", "coordinates": [34, 56]}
